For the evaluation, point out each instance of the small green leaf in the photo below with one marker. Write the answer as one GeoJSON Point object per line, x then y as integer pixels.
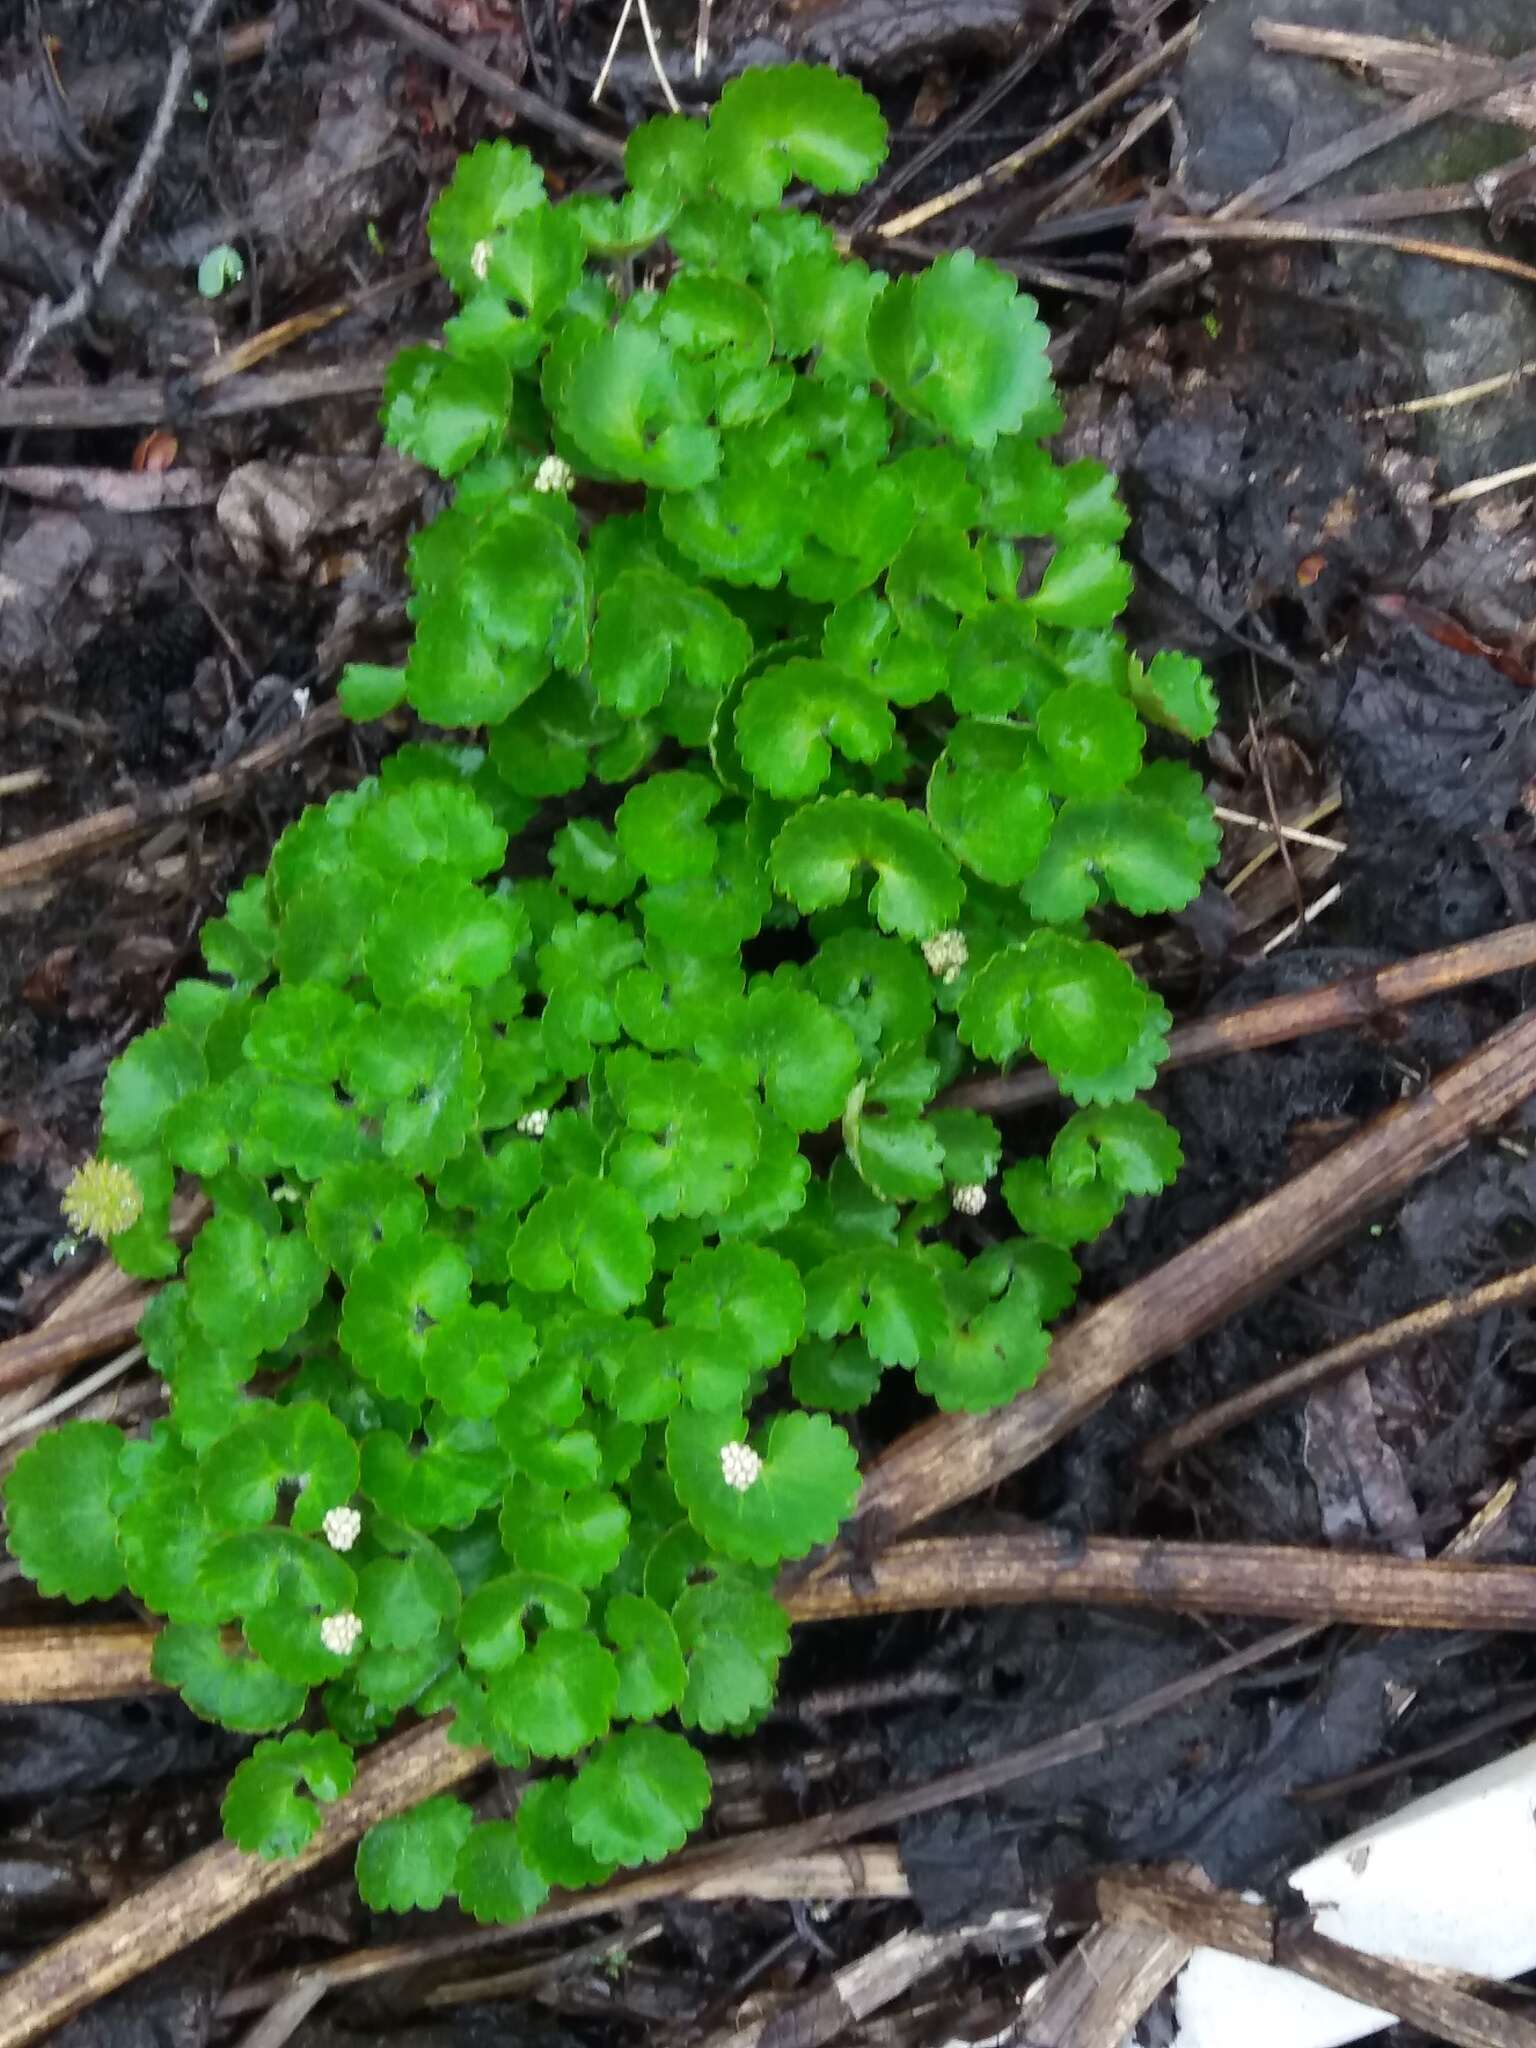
{"type": "Point", "coordinates": [406, 1600]}
{"type": "Point", "coordinates": [230, 1686]}
{"type": "Point", "coordinates": [1173, 691]}
{"type": "Point", "coordinates": [733, 1635]}
{"type": "Point", "coordinates": [661, 826]}
{"type": "Point", "coordinates": [652, 1675]}
{"type": "Point", "coordinates": [61, 1528]}
{"type": "Point", "coordinates": [804, 1054]}
{"type": "Point", "coordinates": [749, 1300]}
{"type": "Point", "coordinates": [368, 691]}
{"type": "Point", "coordinates": [473, 1356]}
{"type": "Point", "coordinates": [805, 1487]}
{"type": "Point", "coordinates": [264, 1811]}
{"type": "Point", "coordinates": [221, 268]}
{"type": "Point", "coordinates": [640, 1797]}
{"type": "Point", "coordinates": [496, 1883]}
{"type": "Point", "coordinates": [544, 1834]}
{"type": "Point", "coordinates": [892, 1296]}
{"type": "Point", "coordinates": [987, 1357]}
{"type": "Point", "coordinates": [627, 403]}
{"type": "Point", "coordinates": [442, 409]}
{"type": "Point", "coordinates": [1086, 583]}
{"type": "Point", "coordinates": [1092, 737]}
{"type": "Point", "coordinates": [493, 186]}
{"type": "Point", "coordinates": [410, 1860]}
{"type": "Point", "coordinates": [960, 348]}
{"type": "Point", "coordinates": [560, 1696]}
{"type": "Point", "coordinates": [792, 715]}
{"type": "Point", "coordinates": [398, 1295]}
{"type": "Point", "coordinates": [691, 1140]}
{"type": "Point", "coordinates": [989, 800]}
{"type": "Point", "coordinates": [590, 1236]}
{"type": "Point", "coordinates": [794, 121]}
{"type": "Point", "coordinates": [491, 1626]}
{"type": "Point", "coordinates": [918, 890]}
{"type": "Point", "coordinates": [579, 1536]}
{"type": "Point", "coordinates": [1147, 847]}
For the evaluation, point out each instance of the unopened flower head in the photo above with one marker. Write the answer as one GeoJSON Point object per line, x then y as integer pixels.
{"type": "Point", "coordinates": [968, 1200]}
{"type": "Point", "coordinates": [533, 1123]}
{"type": "Point", "coordinates": [340, 1633]}
{"type": "Point", "coordinates": [480, 259]}
{"type": "Point", "coordinates": [946, 953]}
{"type": "Point", "coordinates": [101, 1199]}
{"type": "Point", "coordinates": [739, 1465]}
{"type": "Point", "coordinates": [553, 474]}
{"type": "Point", "coordinates": [342, 1528]}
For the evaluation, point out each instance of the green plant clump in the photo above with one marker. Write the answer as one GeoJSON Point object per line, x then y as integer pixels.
{"type": "Point", "coordinates": [556, 1211]}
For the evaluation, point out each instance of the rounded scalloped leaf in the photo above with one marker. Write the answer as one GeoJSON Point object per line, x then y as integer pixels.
{"type": "Point", "coordinates": [264, 1810]}
{"type": "Point", "coordinates": [1074, 1002]}
{"type": "Point", "coordinates": [229, 1685]}
{"type": "Point", "coordinates": [804, 1490]}
{"type": "Point", "coordinates": [496, 1883]}
{"type": "Point", "coordinates": [61, 1528]}
{"type": "Point", "coordinates": [1174, 691]}
{"type": "Point", "coordinates": [691, 1139]}
{"type": "Point", "coordinates": [791, 716]}
{"type": "Point", "coordinates": [560, 1695]}
{"type": "Point", "coordinates": [639, 1798]}
{"type": "Point", "coordinates": [917, 891]}
{"type": "Point", "coordinates": [1086, 583]}
{"type": "Point", "coordinates": [1092, 739]}
{"type": "Point", "coordinates": [985, 1361]}
{"type": "Point", "coordinates": [661, 825]}
{"type": "Point", "coordinates": [493, 185]}
{"type": "Point", "coordinates": [988, 798]}
{"type": "Point", "coordinates": [626, 403]}
{"type": "Point", "coordinates": [893, 1296]}
{"type": "Point", "coordinates": [959, 347]}
{"type": "Point", "coordinates": [544, 1833]}
{"type": "Point", "coordinates": [590, 1236]}
{"type": "Point", "coordinates": [652, 1675]}
{"type": "Point", "coordinates": [1126, 1144]}
{"type": "Point", "coordinates": [1147, 847]}
{"type": "Point", "coordinates": [442, 409]}
{"type": "Point", "coordinates": [794, 121]}
{"type": "Point", "coordinates": [748, 1299]}
{"type": "Point", "coordinates": [734, 1636]}
{"type": "Point", "coordinates": [491, 1625]}
{"type": "Point", "coordinates": [410, 1860]}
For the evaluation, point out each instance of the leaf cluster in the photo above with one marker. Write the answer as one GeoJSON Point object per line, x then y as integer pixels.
{"type": "Point", "coordinates": [559, 1205]}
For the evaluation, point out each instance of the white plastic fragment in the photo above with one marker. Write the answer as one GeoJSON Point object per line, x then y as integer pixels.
{"type": "Point", "coordinates": [1447, 1882]}
{"type": "Point", "coordinates": [342, 1527]}
{"type": "Point", "coordinates": [340, 1633]}
{"type": "Point", "coordinates": [739, 1465]}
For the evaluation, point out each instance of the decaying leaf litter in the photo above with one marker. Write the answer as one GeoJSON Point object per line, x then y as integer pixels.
{"type": "Point", "coordinates": [1374, 650]}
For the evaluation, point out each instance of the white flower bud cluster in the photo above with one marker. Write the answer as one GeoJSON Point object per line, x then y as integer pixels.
{"type": "Point", "coordinates": [341, 1633]}
{"type": "Point", "coordinates": [739, 1465]}
{"type": "Point", "coordinates": [946, 953]}
{"type": "Point", "coordinates": [480, 259]}
{"type": "Point", "coordinates": [970, 1199]}
{"type": "Point", "coordinates": [342, 1527]}
{"type": "Point", "coordinates": [553, 474]}
{"type": "Point", "coordinates": [533, 1123]}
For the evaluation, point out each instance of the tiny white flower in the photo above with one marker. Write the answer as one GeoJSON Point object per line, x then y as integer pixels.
{"type": "Point", "coordinates": [969, 1200]}
{"type": "Point", "coordinates": [553, 474]}
{"type": "Point", "coordinates": [480, 260]}
{"type": "Point", "coordinates": [342, 1528]}
{"type": "Point", "coordinates": [740, 1465]}
{"type": "Point", "coordinates": [946, 953]}
{"type": "Point", "coordinates": [533, 1123]}
{"type": "Point", "coordinates": [340, 1633]}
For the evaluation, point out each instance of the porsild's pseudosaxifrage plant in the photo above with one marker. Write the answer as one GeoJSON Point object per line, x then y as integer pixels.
{"type": "Point", "coordinates": [558, 1208]}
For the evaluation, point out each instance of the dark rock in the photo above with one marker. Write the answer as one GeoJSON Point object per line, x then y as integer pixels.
{"type": "Point", "coordinates": [1249, 112]}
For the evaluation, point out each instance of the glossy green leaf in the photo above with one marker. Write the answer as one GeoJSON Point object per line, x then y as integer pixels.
{"type": "Point", "coordinates": [60, 1524]}
{"type": "Point", "coordinates": [794, 121]}
{"type": "Point", "coordinates": [960, 348]}
{"type": "Point", "coordinates": [410, 1860]}
{"type": "Point", "coordinates": [265, 1812]}
{"type": "Point", "coordinates": [640, 1797]}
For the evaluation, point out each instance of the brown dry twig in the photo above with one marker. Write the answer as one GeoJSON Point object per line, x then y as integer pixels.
{"type": "Point", "coordinates": [87, 838]}
{"type": "Point", "coordinates": [539, 113]}
{"type": "Point", "coordinates": [1275, 1581]}
{"type": "Point", "coordinates": [1179, 228]}
{"type": "Point", "coordinates": [136, 401]}
{"type": "Point", "coordinates": [1154, 1899]}
{"type": "Point", "coordinates": [48, 318]}
{"type": "Point", "coordinates": [1161, 1450]}
{"type": "Point", "coordinates": [1359, 999]}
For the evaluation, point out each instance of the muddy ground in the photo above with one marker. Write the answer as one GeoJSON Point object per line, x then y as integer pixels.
{"type": "Point", "coordinates": [1283, 512]}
